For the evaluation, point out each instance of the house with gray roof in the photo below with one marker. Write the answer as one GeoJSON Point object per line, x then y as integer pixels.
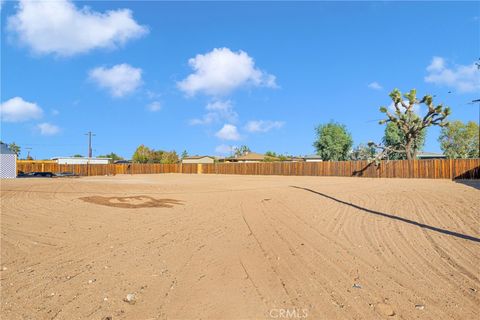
{"type": "Point", "coordinates": [8, 162]}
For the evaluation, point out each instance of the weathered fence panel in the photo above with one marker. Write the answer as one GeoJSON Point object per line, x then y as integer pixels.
{"type": "Point", "coordinates": [188, 168]}
{"type": "Point", "coordinates": [99, 169]}
{"type": "Point", "coordinates": [431, 169]}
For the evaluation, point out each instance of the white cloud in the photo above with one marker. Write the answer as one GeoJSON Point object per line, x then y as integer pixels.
{"type": "Point", "coordinates": [228, 132]}
{"type": "Point", "coordinates": [437, 64]}
{"type": "Point", "coordinates": [154, 106]}
{"type": "Point", "coordinates": [217, 111]}
{"type": "Point", "coordinates": [263, 125]}
{"type": "Point", "coordinates": [221, 71]}
{"type": "Point", "coordinates": [208, 118]}
{"type": "Point", "coordinates": [375, 86]}
{"type": "Point", "coordinates": [48, 129]}
{"type": "Point", "coordinates": [152, 94]}
{"type": "Point", "coordinates": [120, 79]}
{"type": "Point", "coordinates": [224, 149]}
{"type": "Point", "coordinates": [18, 110]}
{"type": "Point", "coordinates": [219, 106]}
{"type": "Point", "coordinates": [59, 27]}
{"type": "Point", "coordinates": [464, 78]}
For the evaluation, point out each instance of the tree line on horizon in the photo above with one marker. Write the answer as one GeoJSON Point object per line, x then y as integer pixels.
{"type": "Point", "coordinates": [404, 136]}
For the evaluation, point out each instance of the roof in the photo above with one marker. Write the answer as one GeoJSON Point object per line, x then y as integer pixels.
{"type": "Point", "coordinates": [253, 156]}
{"type": "Point", "coordinates": [422, 154]}
{"type": "Point", "coordinates": [198, 157]}
{"type": "Point", "coordinates": [312, 156]}
{"type": "Point", "coordinates": [82, 158]}
{"type": "Point", "coordinates": [4, 149]}
{"type": "Point", "coordinates": [122, 161]}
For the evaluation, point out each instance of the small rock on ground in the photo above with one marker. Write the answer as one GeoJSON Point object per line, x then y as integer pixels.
{"type": "Point", "coordinates": [385, 309]}
{"type": "Point", "coordinates": [130, 298]}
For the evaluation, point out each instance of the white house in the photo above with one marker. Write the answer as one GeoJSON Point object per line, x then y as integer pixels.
{"type": "Point", "coordinates": [8, 162]}
{"type": "Point", "coordinates": [81, 160]}
{"type": "Point", "coordinates": [312, 158]}
{"type": "Point", "coordinates": [198, 159]}
{"type": "Point", "coordinates": [430, 155]}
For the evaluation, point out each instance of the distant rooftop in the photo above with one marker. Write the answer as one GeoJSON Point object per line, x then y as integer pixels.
{"type": "Point", "coordinates": [4, 149]}
{"type": "Point", "coordinates": [84, 158]}
{"type": "Point", "coordinates": [253, 156]}
{"type": "Point", "coordinates": [422, 154]}
{"type": "Point", "coordinates": [312, 156]}
{"type": "Point", "coordinates": [198, 157]}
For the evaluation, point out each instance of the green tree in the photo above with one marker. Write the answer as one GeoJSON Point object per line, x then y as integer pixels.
{"type": "Point", "coordinates": [411, 124]}
{"type": "Point", "coordinates": [15, 148]}
{"type": "Point", "coordinates": [273, 156]}
{"type": "Point", "coordinates": [77, 156]}
{"type": "Point", "coordinates": [142, 155]}
{"type": "Point", "coordinates": [112, 155]}
{"type": "Point", "coordinates": [184, 154]}
{"type": "Point", "coordinates": [241, 151]}
{"type": "Point", "coordinates": [333, 141]}
{"type": "Point", "coordinates": [156, 156]}
{"type": "Point", "coordinates": [395, 138]}
{"type": "Point", "coordinates": [460, 140]}
{"type": "Point", "coordinates": [363, 152]}
{"type": "Point", "coordinates": [169, 157]}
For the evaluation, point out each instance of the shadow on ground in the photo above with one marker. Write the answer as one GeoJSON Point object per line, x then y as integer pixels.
{"type": "Point", "coordinates": [391, 216]}
{"type": "Point", "coordinates": [471, 183]}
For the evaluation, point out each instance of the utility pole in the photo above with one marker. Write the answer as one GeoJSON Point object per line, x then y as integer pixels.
{"type": "Point", "coordinates": [90, 134]}
{"type": "Point", "coordinates": [28, 153]}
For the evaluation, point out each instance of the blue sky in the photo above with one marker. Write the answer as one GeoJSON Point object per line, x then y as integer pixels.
{"type": "Point", "coordinates": [206, 76]}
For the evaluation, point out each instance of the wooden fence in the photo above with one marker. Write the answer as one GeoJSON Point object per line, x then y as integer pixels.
{"type": "Point", "coordinates": [431, 169]}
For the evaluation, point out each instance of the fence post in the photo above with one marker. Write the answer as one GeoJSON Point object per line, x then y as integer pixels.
{"type": "Point", "coordinates": [451, 168]}
{"type": "Point", "coordinates": [199, 168]}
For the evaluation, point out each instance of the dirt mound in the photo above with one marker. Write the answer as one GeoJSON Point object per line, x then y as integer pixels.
{"type": "Point", "coordinates": [132, 202]}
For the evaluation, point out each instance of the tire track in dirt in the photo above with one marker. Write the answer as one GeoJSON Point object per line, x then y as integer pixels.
{"type": "Point", "coordinates": [300, 262]}
{"type": "Point", "coordinates": [267, 256]}
{"type": "Point", "coordinates": [327, 261]}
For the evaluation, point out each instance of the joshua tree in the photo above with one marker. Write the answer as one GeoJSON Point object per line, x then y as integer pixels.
{"type": "Point", "coordinates": [409, 122]}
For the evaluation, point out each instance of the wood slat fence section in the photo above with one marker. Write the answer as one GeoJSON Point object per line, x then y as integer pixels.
{"type": "Point", "coordinates": [430, 169]}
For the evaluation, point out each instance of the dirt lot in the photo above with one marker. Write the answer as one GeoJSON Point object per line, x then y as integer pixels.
{"type": "Point", "coordinates": [239, 247]}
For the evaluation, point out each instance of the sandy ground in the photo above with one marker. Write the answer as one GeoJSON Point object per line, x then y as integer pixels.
{"type": "Point", "coordinates": [239, 247]}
